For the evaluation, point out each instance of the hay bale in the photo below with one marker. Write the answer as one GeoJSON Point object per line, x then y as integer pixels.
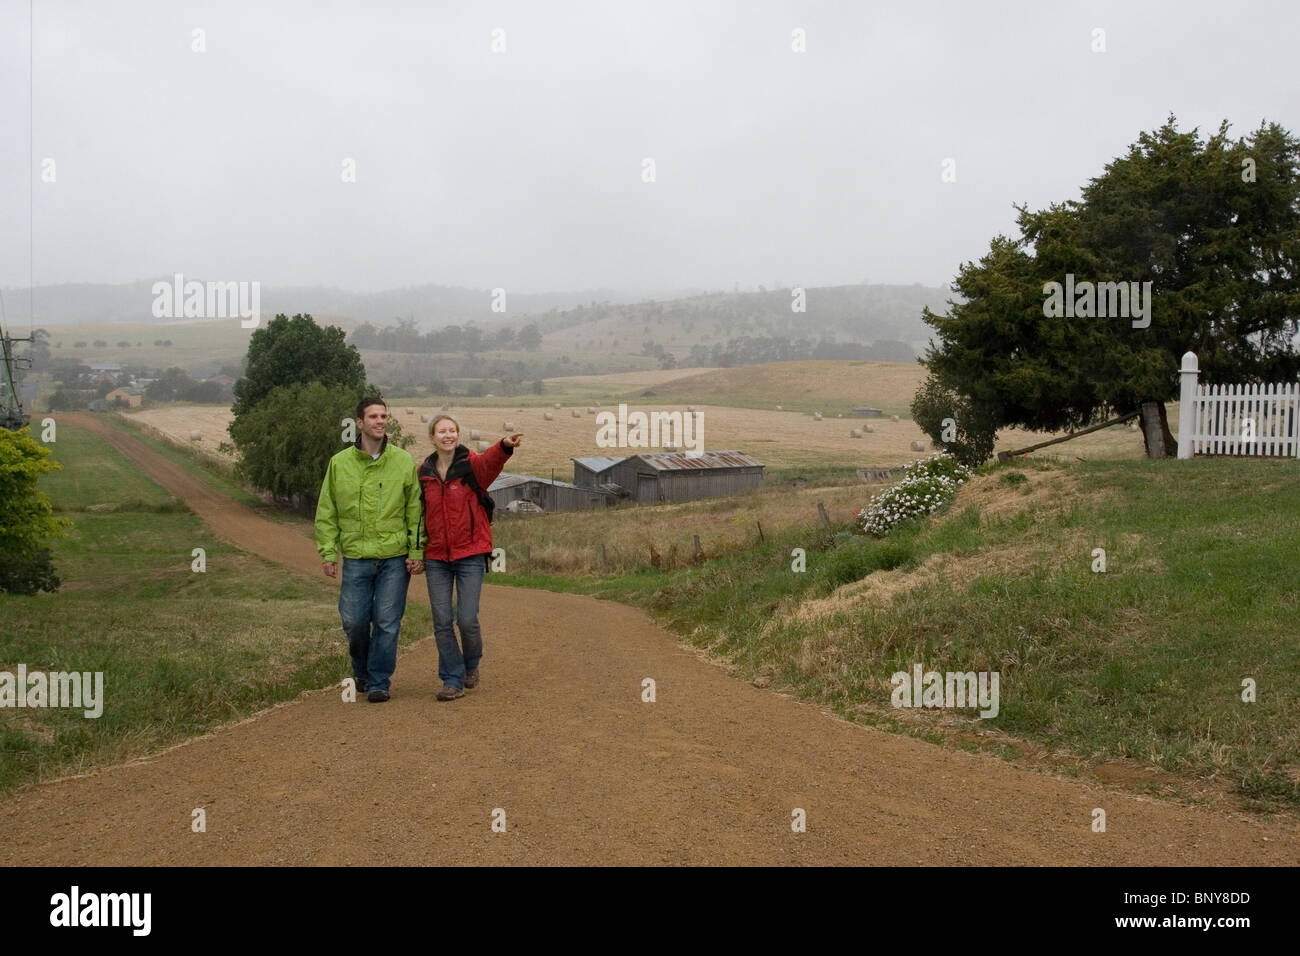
{"type": "Point", "coordinates": [868, 428]}
{"type": "Point", "coordinates": [410, 411]}
{"type": "Point", "coordinates": [424, 419]}
{"type": "Point", "coordinates": [577, 414]}
{"type": "Point", "coordinates": [548, 416]}
{"type": "Point", "coordinates": [779, 408]}
{"type": "Point", "coordinates": [855, 432]}
{"type": "Point", "coordinates": [196, 435]}
{"type": "Point", "coordinates": [508, 426]}
{"type": "Point", "coordinates": [817, 416]}
{"type": "Point", "coordinates": [918, 446]}
{"type": "Point", "coordinates": [557, 404]}
{"type": "Point", "coordinates": [590, 410]}
{"type": "Point", "coordinates": [893, 418]}
{"type": "Point", "coordinates": [474, 434]}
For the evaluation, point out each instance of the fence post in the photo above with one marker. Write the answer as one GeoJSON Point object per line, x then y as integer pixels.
{"type": "Point", "coordinates": [1187, 404]}
{"type": "Point", "coordinates": [821, 510]}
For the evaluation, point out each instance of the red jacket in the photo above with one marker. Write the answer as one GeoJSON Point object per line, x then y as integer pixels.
{"type": "Point", "coordinates": [455, 522]}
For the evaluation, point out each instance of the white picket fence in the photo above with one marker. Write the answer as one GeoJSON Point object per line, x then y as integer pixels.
{"type": "Point", "coordinates": [1237, 419]}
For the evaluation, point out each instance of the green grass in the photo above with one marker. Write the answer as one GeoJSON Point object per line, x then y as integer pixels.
{"type": "Point", "coordinates": [181, 652]}
{"type": "Point", "coordinates": [1144, 661]}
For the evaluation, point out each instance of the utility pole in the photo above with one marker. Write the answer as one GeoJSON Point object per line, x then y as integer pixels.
{"type": "Point", "coordinates": [11, 401]}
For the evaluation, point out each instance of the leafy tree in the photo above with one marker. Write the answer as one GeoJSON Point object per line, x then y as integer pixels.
{"type": "Point", "coordinates": [1213, 226]}
{"type": "Point", "coordinates": [293, 351]}
{"type": "Point", "coordinates": [286, 441]}
{"type": "Point", "coordinates": [949, 419]}
{"type": "Point", "coordinates": [26, 516]}
{"type": "Point", "coordinates": [529, 338]}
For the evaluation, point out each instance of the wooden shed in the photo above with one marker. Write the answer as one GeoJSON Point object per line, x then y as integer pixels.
{"type": "Point", "coordinates": [592, 472]}
{"type": "Point", "coordinates": [547, 494]}
{"type": "Point", "coordinates": [677, 476]}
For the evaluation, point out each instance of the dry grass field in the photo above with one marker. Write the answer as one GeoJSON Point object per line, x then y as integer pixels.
{"type": "Point", "coordinates": [738, 407]}
{"type": "Point", "coordinates": [780, 440]}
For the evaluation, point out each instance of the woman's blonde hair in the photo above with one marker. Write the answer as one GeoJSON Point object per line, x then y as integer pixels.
{"type": "Point", "coordinates": [434, 424]}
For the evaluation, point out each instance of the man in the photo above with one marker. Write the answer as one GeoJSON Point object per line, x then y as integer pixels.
{"type": "Point", "coordinates": [370, 511]}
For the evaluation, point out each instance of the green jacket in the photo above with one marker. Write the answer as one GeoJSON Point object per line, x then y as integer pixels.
{"type": "Point", "coordinates": [370, 507]}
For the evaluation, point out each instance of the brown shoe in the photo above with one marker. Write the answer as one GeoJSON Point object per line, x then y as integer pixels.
{"type": "Point", "coordinates": [471, 679]}
{"type": "Point", "coordinates": [450, 692]}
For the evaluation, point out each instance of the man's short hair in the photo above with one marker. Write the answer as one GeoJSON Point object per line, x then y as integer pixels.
{"type": "Point", "coordinates": [366, 403]}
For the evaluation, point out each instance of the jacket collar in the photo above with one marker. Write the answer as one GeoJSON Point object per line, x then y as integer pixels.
{"type": "Point", "coordinates": [383, 447]}
{"type": "Point", "coordinates": [430, 465]}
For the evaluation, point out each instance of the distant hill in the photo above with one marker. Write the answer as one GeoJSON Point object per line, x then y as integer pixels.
{"type": "Point", "coordinates": [431, 306]}
{"type": "Point", "coordinates": [863, 314]}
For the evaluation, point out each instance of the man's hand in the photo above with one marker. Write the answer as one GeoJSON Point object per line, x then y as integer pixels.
{"type": "Point", "coordinates": [514, 440]}
{"type": "Point", "coordinates": [331, 569]}
{"type": "Point", "coordinates": [414, 566]}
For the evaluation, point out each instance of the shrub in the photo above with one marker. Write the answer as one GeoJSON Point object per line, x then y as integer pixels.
{"type": "Point", "coordinates": [926, 485]}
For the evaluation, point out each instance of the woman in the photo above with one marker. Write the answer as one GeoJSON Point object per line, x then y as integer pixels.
{"type": "Point", "coordinates": [454, 481]}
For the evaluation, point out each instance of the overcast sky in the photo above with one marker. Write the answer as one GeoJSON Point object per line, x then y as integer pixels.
{"type": "Point", "coordinates": [524, 169]}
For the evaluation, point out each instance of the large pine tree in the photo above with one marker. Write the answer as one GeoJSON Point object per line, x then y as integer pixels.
{"type": "Point", "coordinates": [1213, 226]}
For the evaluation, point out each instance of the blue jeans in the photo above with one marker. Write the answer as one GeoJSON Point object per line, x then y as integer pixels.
{"type": "Point", "coordinates": [372, 600]}
{"type": "Point", "coordinates": [467, 574]}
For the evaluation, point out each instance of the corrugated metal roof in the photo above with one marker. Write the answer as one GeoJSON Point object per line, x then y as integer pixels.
{"type": "Point", "coordinates": [597, 463]}
{"type": "Point", "coordinates": [678, 460]}
{"type": "Point", "coordinates": [507, 480]}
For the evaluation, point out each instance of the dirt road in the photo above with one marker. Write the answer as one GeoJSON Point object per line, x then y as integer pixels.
{"type": "Point", "coordinates": [558, 738]}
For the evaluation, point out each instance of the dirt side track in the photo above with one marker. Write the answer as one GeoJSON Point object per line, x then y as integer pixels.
{"type": "Point", "coordinates": [557, 737]}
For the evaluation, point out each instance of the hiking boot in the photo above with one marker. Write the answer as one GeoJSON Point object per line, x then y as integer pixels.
{"type": "Point", "coordinates": [377, 696]}
{"type": "Point", "coordinates": [450, 692]}
{"type": "Point", "coordinates": [471, 679]}
{"type": "Point", "coordinates": [361, 687]}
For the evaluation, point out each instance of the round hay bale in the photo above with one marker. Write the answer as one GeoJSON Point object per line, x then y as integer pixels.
{"type": "Point", "coordinates": [597, 404]}
{"type": "Point", "coordinates": [590, 410]}
{"type": "Point", "coordinates": [474, 434]}
{"type": "Point", "coordinates": [577, 414]}
{"type": "Point", "coordinates": [557, 404]}
{"type": "Point", "coordinates": [548, 416]}
{"type": "Point", "coordinates": [893, 418]}
{"type": "Point", "coordinates": [918, 446]}
{"type": "Point", "coordinates": [779, 408]}
{"type": "Point", "coordinates": [855, 433]}
{"type": "Point", "coordinates": [196, 435]}
{"type": "Point", "coordinates": [424, 419]}
{"type": "Point", "coordinates": [817, 416]}
{"type": "Point", "coordinates": [508, 426]}
{"type": "Point", "coordinates": [868, 428]}
{"type": "Point", "coordinates": [410, 411]}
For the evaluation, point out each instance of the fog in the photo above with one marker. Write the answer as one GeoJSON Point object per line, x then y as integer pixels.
{"type": "Point", "coordinates": [525, 167]}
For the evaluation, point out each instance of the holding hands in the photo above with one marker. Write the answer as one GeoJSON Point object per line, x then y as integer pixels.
{"type": "Point", "coordinates": [414, 566]}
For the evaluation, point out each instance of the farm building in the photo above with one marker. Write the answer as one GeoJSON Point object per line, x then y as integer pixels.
{"type": "Point", "coordinates": [592, 472]}
{"type": "Point", "coordinates": [130, 397]}
{"type": "Point", "coordinates": [547, 494]}
{"type": "Point", "coordinates": [865, 411]}
{"type": "Point", "coordinates": [676, 476]}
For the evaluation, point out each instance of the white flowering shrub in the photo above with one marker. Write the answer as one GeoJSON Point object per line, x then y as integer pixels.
{"type": "Point", "coordinates": [926, 484]}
